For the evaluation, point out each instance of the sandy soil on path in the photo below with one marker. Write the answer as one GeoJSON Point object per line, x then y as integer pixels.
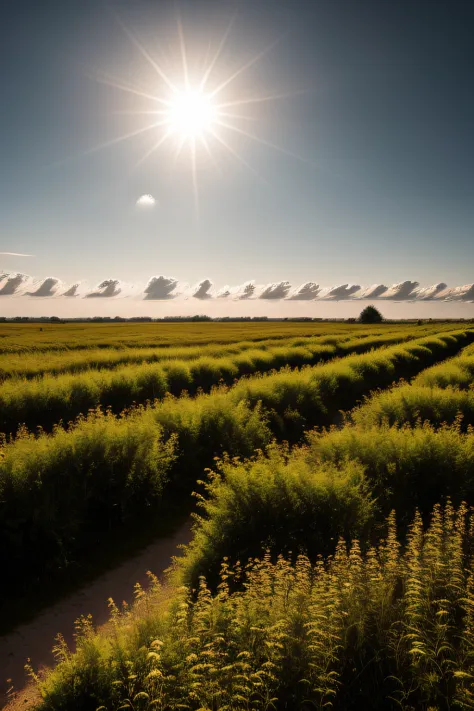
{"type": "Point", "coordinates": [35, 639]}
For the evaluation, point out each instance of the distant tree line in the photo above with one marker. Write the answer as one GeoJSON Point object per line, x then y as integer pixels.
{"type": "Point", "coordinates": [368, 315]}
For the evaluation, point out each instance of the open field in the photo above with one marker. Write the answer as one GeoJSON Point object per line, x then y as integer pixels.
{"type": "Point", "coordinates": [235, 420]}
{"type": "Point", "coordinates": [45, 401]}
{"type": "Point", "coordinates": [28, 338]}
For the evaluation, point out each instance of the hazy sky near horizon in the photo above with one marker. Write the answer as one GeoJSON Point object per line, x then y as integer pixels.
{"type": "Point", "coordinates": [378, 110]}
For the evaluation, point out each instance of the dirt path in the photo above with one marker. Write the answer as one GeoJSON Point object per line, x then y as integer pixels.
{"type": "Point", "coordinates": [35, 639]}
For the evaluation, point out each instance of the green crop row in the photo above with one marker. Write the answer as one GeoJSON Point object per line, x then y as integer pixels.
{"type": "Point", "coordinates": [46, 401]}
{"type": "Point", "coordinates": [28, 338]}
{"type": "Point", "coordinates": [312, 397]}
{"type": "Point", "coordinates": [430, 397]}
{"type": "Point", "coordinates": [341, 483]}
{"type": "Point", "coordinates": [35, 364]}
{"type": "Point", "coordinates": [458, 373]}
{"type": "Point", "coordinates": [413, 404]}
{"type": "Point", "coordinates": [384, 629]}
{"type": "Point", "coordinates": [58, 491]}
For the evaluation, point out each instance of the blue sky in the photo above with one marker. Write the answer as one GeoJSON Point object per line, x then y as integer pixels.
{"type": "Point", "coordinates": [379, 113]}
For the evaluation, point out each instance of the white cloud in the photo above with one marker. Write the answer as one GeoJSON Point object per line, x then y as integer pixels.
{"type": "Point", "coordinates": [245, 291]}
{"type": "Point", "coordinates": [16, 254]}
{"type": "Point", "coordinates": [202, 290]}
{"type": "Point", "coordinates": [306, 292]}
{"type": "Point", "coordinates": [277, 290]}
{"type": "Point", "coordinates": [72, 291]}
{"type": "Point", "coordinates": [337, 293]}
{"type": "Point", "coordinates": [224, 292]}
{"type": "Point", "coordinates": [46, 287]}
{"type": "Point", "coordinates": [401, 291]}
{"type": "Point", "coordinates": [161, 288]}
{"type": "Point", "coordinates": [168, 288]}
{"type": "Point", "coordinates": [106, 289]}
{"type": "Point", "coordinates": [458, 293]}
{"type": "Point", "coordinates": [430, 292]}
{"type": "Point", "coordinates": [372, 292]}
{"type": "Point", "coordinates": [12, 283]}
{"type": "Point", "coordinates": [146, 201]}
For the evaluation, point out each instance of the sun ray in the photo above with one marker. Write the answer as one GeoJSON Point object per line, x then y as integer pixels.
{"type": "Point", "coordinates": [263, 141]}
{"type": "Point", "coordinates": [194, 174]}
{"type": "Point", "coordinates": [124, 137]}
{"type": "Point", "coordinates": [146, 55]}
{"type": "Point", "coordinates": [190, 112]}
{"type": "Point", "coordinates": [237, 156]}
{"type": "Point", "coordinates": [221, 46]}
{"type": "Point", "coordinates": [107, 144]}
{"type": "Point", "coordinates": [116, 84]}
{"type": "Point", "coordinates": [129, 112]}
{"type": "Point", "coordinates": [262, 99]}
{"type": "Point", "coordinates": [242, 69]}
{"type": "Point", "coordinates": [152, 150]}
{"type": "Point", "coordinates": [207, 148]}
{"type": "Point", "coordinates": [179, 148]}
{"type": "Point", "coordinates": [184, 58]}
{"type": "Point", "coordinates": [228, 114]}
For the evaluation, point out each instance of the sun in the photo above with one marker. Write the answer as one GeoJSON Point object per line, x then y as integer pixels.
{"type": "Point", "coordinates": [196, 107]}
{"type": "Point", "coordinates": [191, 114]}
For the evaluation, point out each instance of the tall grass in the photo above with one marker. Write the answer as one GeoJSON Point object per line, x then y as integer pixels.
{"type": "Point", "coordinates": [48, 400]}
{"type": "Point", "coordinates": [404, 467]}
{"type": "Point", "coordinates": [278, 500]}
{"type": "Point", "coordinates": [441, 394]}
{"type": "Point", "coordinates": [388, 629]}
{"type": "Point", "coordinates": [61, 492]}
{"type": "Point", "coordinates": [459, 373]}
{"type": "Point", "coordinates": [341, 483]}
{"type": "Point", "coordinates": [413, 404]}
{"type": "Point", "coordinates": [299, 400]}
{"type": "Point", "coordinates": [34, 472]}
{"type": "Point", "coordinates": [65, 488]}
{"type": "Point", "coordinates": [28, 365]}
{"type": "Point", "coordinates": [30, 338]}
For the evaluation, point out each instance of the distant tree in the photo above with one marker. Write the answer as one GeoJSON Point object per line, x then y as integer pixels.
{"type": "Point", "coordinates": [370, 315]}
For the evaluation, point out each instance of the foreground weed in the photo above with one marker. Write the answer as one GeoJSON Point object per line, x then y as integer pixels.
{"type": "Point", "coordinates": [388, 628]}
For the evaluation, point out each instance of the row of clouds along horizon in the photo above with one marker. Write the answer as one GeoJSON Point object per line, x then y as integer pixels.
{"type": "Point", "coordinates": [163, 288]}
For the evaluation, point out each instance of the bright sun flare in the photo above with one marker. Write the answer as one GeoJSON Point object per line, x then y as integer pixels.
{"type": "Point", "coordinates": [192, 114]}
{"type": "Point", "coordinates": [198, 116]}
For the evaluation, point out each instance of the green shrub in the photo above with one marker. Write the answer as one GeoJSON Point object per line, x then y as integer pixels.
{"type": "Point", "coordinates": [60, 491]}
{"type": "Point", "coordinates": [458, 372]}
{"type": "Point", "coordinates": [275, 500]}
{"type": "Point", "coordinates": [404, 467]}
{"type": "Point", "coordinates": [370, 315]}
{"type": "Point", "coordinates": [56, 492]}
{"type": "Point", "coordinates": [382, 630]}
{"type": "Point", "coordinates": [298, 400]}
{"type": "Point", "coordinates": [342, 483]}
{"type": "Point", "coordinates": [412, 404]}
{"type": "Point", "coordinates": [47, 401]}
{"type": "Point", "coordinates": [34, 511]}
